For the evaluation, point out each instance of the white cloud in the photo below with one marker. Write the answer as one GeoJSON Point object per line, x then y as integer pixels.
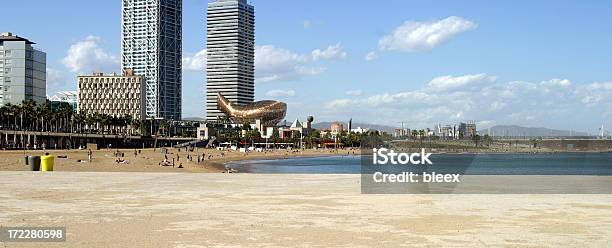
{"type": "Point", "coordinates": [371, 56]}
{"type": "Point", "coordinates": [340, 103]}
{"type": "Point", "coordinates": [196, 62]}
{"type": "Point", "coordinates": [87, 56]}
{"type": "Point", "coordinates": [450, 82]}
{"type": "Point", "coordinates": [331, 52]}
{"type": "Point", "coordinates": [307, 24]}
{"type": "Point", "coordinates": [56, 81]}
{"type": "Point", "coordinates": [552, 103]}
{"type": "Point", "coordinates": [557, 82]}
{"type": "Point", "coordinates": [415, 36]}
{"type": "Point", "coordinates": [600, 86]}
{"type": "Point", "coordinates": [354, 92]}
{"type": "Point", "coordinates": [280, 93]}
{"type": "Point", "coordinates": [275, 64]}
{"type": "Point", "coordinates": [54, 77]}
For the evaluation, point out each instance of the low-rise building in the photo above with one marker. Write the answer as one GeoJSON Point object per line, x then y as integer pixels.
{"type": "Point", "coordinates": [70, 97]}
{"type": "Point", "coordinates": [336, 127]}
{"type": "Point", "coordinates": [115, 95]}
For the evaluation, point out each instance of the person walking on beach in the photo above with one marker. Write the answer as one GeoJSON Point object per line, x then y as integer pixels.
{"type": "Point", "coordinates": [89, 155]}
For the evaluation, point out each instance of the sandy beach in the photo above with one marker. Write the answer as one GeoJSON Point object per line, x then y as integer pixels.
{"type": "Point", "coordinates": [148, 160]}
{"type": "Point", "coordinates": [258, 210]}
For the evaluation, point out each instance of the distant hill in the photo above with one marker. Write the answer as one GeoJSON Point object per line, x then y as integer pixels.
{"type": "Point", "coordinates": [193, 119]}
{"type": "Point", "coordinates": [513, 130]}
{"type": "Point", "coordinates": [326, 125]}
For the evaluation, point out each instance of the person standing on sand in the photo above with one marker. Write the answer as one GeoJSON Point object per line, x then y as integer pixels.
{"type": "Point", "coordinates": [89, 155]}
{"type": "Point", "coordinates": [135, 153]}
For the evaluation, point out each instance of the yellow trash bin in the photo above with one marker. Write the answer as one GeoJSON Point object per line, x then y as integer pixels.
{"type": "Point", "coordinates": [46, 163]}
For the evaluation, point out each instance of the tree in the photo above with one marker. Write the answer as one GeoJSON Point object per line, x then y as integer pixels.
{"type": "Point", "coordinates": [15, 112]}
{"type": "Point", "coordinates": [129, 123]}
{"type": "Point", "coordinates": [79, 120]}
{"type": "Point", "coordinates": [65, 113]}
{"type": "Point", "coordinates": [476, 139]}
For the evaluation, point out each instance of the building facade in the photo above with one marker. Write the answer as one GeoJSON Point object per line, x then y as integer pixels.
{"type": "Point", "coordinates": [113, 95]}
{"type": "Point", "coordinates": [230, 68]}
{"type": "Point", "coordinates": [22, 71]}
{"type": "Point", "coordinates": [151, 45]}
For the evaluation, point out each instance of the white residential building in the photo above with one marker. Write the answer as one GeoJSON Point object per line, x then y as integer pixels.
{"type": "Point", "coordinates": [22, 71]}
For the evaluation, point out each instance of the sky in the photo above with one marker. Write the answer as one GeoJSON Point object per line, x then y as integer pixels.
{"type": "Point", "coordinates": [531, 63]}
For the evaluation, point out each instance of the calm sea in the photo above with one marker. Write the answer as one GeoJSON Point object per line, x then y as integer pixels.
{"type": "Point", "coordinates": [481, 164]}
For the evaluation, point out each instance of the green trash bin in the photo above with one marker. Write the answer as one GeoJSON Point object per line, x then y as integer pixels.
{"type": "Point", "coordinates": [34, 162]}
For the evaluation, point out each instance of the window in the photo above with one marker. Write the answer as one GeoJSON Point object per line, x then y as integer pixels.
{"type": "Point", "coordinates": [7, 62]}
{"type": "Point", "coordinates": [7, 70]}
{"type": "Point", "coordinates": [7, 79]}
{"type": "Point", "coordinates": [7, 53]}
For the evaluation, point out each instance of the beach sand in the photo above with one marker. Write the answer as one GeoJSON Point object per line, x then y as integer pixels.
{"type": "Point", "coordinates": [187, 210]}
{"type": "Point", "coordinates": [148, 159]}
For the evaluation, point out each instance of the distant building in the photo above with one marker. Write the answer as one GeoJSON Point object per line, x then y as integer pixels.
{"type": "Point", "coordinates": [336, 127]}
{"type": "Point", "coordinates": [360, 130]}
{"type": "Point", "coordinates": [70, 97]}
{"type": "Point", "coordinates": [151, 45]}
{"type": "Point", "coordinates": [471, 129]}
{"type": "Point", "coordinates": [461, 130]}
{"type": "Point", "coordinates": [399, 132]}
{"type": "Point", "coordinates": [22, 71]}
{"type": "Point", "coordinates": [112, 95]}
{"type": "Point", "coordinates": [230, 68]}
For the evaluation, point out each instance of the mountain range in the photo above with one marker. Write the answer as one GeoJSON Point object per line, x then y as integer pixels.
{"type": "Point", "coordinates": [513, 130]}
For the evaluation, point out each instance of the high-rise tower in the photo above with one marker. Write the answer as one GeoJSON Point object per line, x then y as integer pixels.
{"type": "Point", "coordinates": [151, 45]}
{"type": "Point", "coordinates": [22, 71]}
{"type": "Point", "coordinates": [230, 68]}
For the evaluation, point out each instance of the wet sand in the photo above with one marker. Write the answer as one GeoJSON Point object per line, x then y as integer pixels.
{"type": "Point", "coordinates": [119, 209]}
{"type": "Point", "coordinates": [148, 159]}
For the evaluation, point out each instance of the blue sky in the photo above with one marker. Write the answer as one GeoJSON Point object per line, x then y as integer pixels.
{"type": "Point", "coordinates": [532, 63]}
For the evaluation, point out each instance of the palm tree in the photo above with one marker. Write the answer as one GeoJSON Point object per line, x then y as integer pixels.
{"type": "Point", "coordinates": [15, 112]}
{"type": "Point", "coordinates": [78, 119]}
{"type": "Point", "coordinates": [4, 113]}
{"type": "Point", "coordinates": [106, 121]}
{"type": "Point", "coordinates": [89, 122]}
{"type": "Point", "coordinates": [137, 125]}
{"type": "Point", "coordinates": [65, 112]}
{"type": "Point", "coordinates": [128, 121]}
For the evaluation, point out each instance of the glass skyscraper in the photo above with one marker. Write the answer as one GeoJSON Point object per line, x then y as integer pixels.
{"type": "Point", "coordinates": [230, 68]}
{"type": "Point", "coordinates": [151, 45]}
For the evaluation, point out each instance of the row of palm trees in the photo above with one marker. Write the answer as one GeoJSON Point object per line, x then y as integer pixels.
{"type": "Point", "coordinates": [29, 116]}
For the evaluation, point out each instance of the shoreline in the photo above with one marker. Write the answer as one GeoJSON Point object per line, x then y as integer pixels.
{"type": "Point", "coordinates": [149, 160]}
